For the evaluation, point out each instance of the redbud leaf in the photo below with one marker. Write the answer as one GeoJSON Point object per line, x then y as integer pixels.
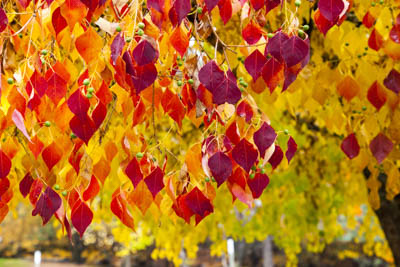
{"type": "Point", "coordinates": [81, 217]}
{"type": "Point", "coordinates": [276, 157]}
{"type": "Point", "coordinates": [47, 205]}
{"type": "Point", "coordinates": [155, 181]}
{"type": "Point", "coordinates": [220, 166]}
{"type": "Point", "coordinates": [264, 138]}
{"type": "Point", "coordinates": [25, 184]}
{"type": "Point", "coordinates": [331, 9]}
{"type": "Point", "coordinates": [144, 53]}
{"type": "Point", "coordinates": [245, 154]}
{"type": "Point", "coordinates": [254, 64]}
{"type": "Point", "coordinates": [198, 203]}
{"type": "Point", "coordinates": [258, 184]}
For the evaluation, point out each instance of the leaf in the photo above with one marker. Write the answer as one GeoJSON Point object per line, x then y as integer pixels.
{"type": "Point", "coordinates": [89, 45]}
{"type": "Point", "coordinates": [258, 184]}
{"type": "Point", "coordinates": [133, 172]}
{"type": "Point", "coordinates": [101, 169]}
{"type": "Point", "coordinates": [254, 64]}
{"type": "Point", "coordinates": [99, 114]}
{"type": "Point", "coordinates": [180, 9]}
{"type": "Point", "coordinates": [245, 154]}
{"type": "Point", "coordinates": [375, 40]}
{"type": "Point", "coordinates": [294, 50]}
{"type": "Point", "coordinates": [58, 21]}
{"type": "Point", "coordinates": [51, 155]}
{"type": "Point", "coordinates": [73, 11]}
{"type": "Point", "coordinates": [5, 165]}
{"type": "Point", "coordinates": [322, 23]}
{"type": "Point", "coordinates": [36, 189]}
{"type": "Point", "coordinates": [272, 73]}
{"type": "Point", "coordinates": [220, 166]}
{"type": "Point", "coordinates": [271, 4]}
{"type": "Point", "coordinates": [257, 4]}
{"type": "Point", "coordinates": [144, 53]}
{"type": "Point", "coordinates": [4, 186]}
{"type": "Point", "coordinates": [228, 91]}
{"type": "Point", "coordinates": [394, 34]}
{"type": "Point", "coordinates": [26, 184]}
{"type": "Point", "coordinates": [119, 208]}
{"type": "Point", "coordinates": [18, 120]}
{"type": "Point", "coordinates": [291, 149]}
{"type": "Point", "coordinates": [275, 45]}
{"type": "Point", "coordinates": [350, 146]}
{"type": "Point", "coordinates": [117, 46]}
{"type": "Point", "coordinates": [81, 217]}
{"type": "Point", "coordinates": [144, 76]}
{"type": "Point", "coordinates": [232, 133]}
{"type": "Point", "coordinates": [210, 75]}
{"type": "Point", "coordinates": [276, 157]}
{"type": "Point", "coordinates": [245, 111]}
{"type": "Point", "coordinates": [210, 4]}
{"type": "Point", "coordinates": [47, 205]}
{"type": "Point", "coordinates": [264, 138]}
{"type": "Point", "coordinates": [156, 4]}
{"type": "Point", "coordinates": [92, 190]}
{"type": "Point", "coordinates": [368, 20]}
{"type": "Point", "coordinates": [155, 181]}
{"type": "Point", "coordinates": [252, 34]}
{"type": "Point", "coordinates": [225, 10]}
{"type": "Point", "coordinates": [172, 105]}
{"type": "Point", "coordinates": [3, 20]}
{"type": "Point", "coordinates": [376, 95]}
{"type": "Point", "coordinates": [56, 88]}
{"type": "Point", "coordinates": [78, 104]}
{"type": "Point", "coordinates": [380, 147]}
{"type": "Point", "coordinates": [348, 88]}
{"type": "Point", "coordinates": [331, 9]}
{"type": "Point", "coordinates": [392, 81]}
{"type": "Point", "coordinates": [179, 40]}
{"type": "Point", "coordinates": [198, 203]}
{"type": "Point", "coordinates": [141, 197]}
{"type": "Point", "coordinates": [84, 128]}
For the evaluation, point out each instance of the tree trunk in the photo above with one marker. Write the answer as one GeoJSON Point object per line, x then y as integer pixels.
{"type": "Point", "coordinates": [389, 219]}
{"type": "Point", "coordinates": [267, 253]}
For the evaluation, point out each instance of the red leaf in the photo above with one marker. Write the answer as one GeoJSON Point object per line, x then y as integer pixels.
{"type": "Point", "coordinates": [198, 203]}
{"type": "Point", "coordinates": [81, 217]}
{"type": "Point", "coordinates": [264, 138]}
{"type": "Point", "coordinates": [38, 82]}
{"type": "Point", "coordinates": [257, 4]}
{"type": "Point", "coordinates": [322, 23]}
{"type": "Point", "coordinates": [180, 9]}
{"type": "Point", "coordinates": [78, 104]}
{"type": "Point", "coordinates": [25, 184]}
{"type": "Point", "coordinates": [58, 21]}
{"type": "Point", "coordinates": [47, 205]}
{"type": "Point", "coordinates": [368, 20]}
{"type": "Point", "coordinates": [376, 95]}
{"type": "Point", "coordinates": [179, 40]}
{"type": "Point", "coordinates": [225, 10]}
{"type": "Point", "coordinates": [395, 34]}
{"type": "Point", "coordinates": [276, 157]}
{"type": "Point", "coordinates": [144, 76]}
{"type": "Point", "coordinates": [51, 155]}
{"type": "Point", "coordinates": [172, 104]}
{"type": "Point", "coordinates": [155, 181]}
{"type": "Point", "coordinates": [5, 165]}
{"type": "Point", "coordinates": [117, 46]}
{"type": "Point", "coordinates": [232, 133]}
{"type": "Point", "coordinates": [36, 189]}
{"type": "Point", "coordinates": [375, 40]}
{"type": "Point", "coordinates": [291, 149]}
{"type": "Point", "coordinates": [331, 9]}
{"type": "Point", "coordinates": [238, 177]}
{"type": "Point", "coordinates": [228, 90]}
{"type": "Point", "coordinates": [3, 20]}
{"type": "Point", "coordinates": [84, 128]}
{"type": "Point", "coordinates": [104, 94]}
{"type": "Point", "coordinates": [392, 81]}
{"type": "Point", "coordinates": [119, 208]}
{"type": "Point", "coordinates": [4, 185]}
{"type": "Point", "coordinates": [19, 122]}
{"type": "Point", "coordinates": [350, 146]}
{"type": "Point", "coordinates": [99, 114]}
{"type": "Point", "coordinates": [92, 190]}
{"type": "Point", "coordinates": [294, 50]}
{"type": "Point", "coordinates": [251, 34]}
{"type": "Point", "coordinates": [245, 111]}
{"type": "Point", "coordinates": [272, 73]}
{"type": "Point", "coordinates": [245, 154]}
{"type": "Point", "coordinates": [133, 172]}
{"type": "Point", "coordinates": [258, 184]}
{"type": "Point", "coordinates": [271, 4]}
{"type": "Point", "coordinates": [220, 166]}
{"type": "Point", "coordinates": [181, 209]}
{"type": "Point", "coordinates": [380, 147]}
{"type": "Point", "coordinates": [144, 53]}
{"type": "Point", "coordinates": [254, 64]}
{"type": "Point", "coordinates": [211, 75]}
{"type": "Point", "coordinates": [275, 45]}
{"type": "Point", "coordinates": [57, 88]}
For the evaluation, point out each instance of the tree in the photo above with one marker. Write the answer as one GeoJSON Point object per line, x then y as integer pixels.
{"type": "Point", "coordinates": [159, 111]}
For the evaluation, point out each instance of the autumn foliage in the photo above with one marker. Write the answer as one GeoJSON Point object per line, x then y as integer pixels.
{"type": "Point", "coordinates": [145, 103]}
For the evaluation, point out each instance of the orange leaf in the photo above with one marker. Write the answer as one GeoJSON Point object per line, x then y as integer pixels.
{"type": "Point", "coordinates": [141, 197]}
{"type": "Point", "coordinates": [101, 169]}
{"type": "Point", "coordinates": [73, 11]}
{"type": "Point", "coordinates": [348, 88]}
{"type": "Point", "coordinates": [89, 45]}
{"type": "Point", "coordinates": [179, 39]}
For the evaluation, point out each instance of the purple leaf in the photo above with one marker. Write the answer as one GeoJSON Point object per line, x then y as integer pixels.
{"type": "Point", "coordinates": [47, 205]}
{"type": "Point", "coordinates": [275, 45]}
{"type": "Point", "coordinates": [78, 104]}
{"type": "Point", "coordinates": [144, 77]}
{"type": "Point", "coordinates": [254, 64]}
{"type": "Point", "coordinates": [331, 9]}
{"type": "Point", "coordinates": [116, 47]}
{"type": "Point", "coordinates": [392, 81]}
{"type": "Point", "coordinates": [380, 147]}
{"type": "Point", "coordinates": [155, 181]}
{"type": "Point", "coordinates": [291, 149]}
{"type": "Point", "coordinates": [294, 50]}
{"type": "Point", "coordinates": [144, 53]}
{"type": "Point", "coordinates": [228, 91]}
{"type": "Point", "coordinates": [211, 75]}
{"type": "Point", "coordinates": [220, 166]}
{"type": "Point", "coordinates": [276, 157]}
{"type": "Point", "coordinates": [258, 184]}
{"type": "Point", "coordinates": [180, 9]}
{"type": "Point", "coordinates": [264, 138]}
{"type": "Point", "coordinates": [3, 20]}
{"type": "Point", "coordinates": [350, 146]}
{"type": "Point", "coordinates": [133, 172]}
